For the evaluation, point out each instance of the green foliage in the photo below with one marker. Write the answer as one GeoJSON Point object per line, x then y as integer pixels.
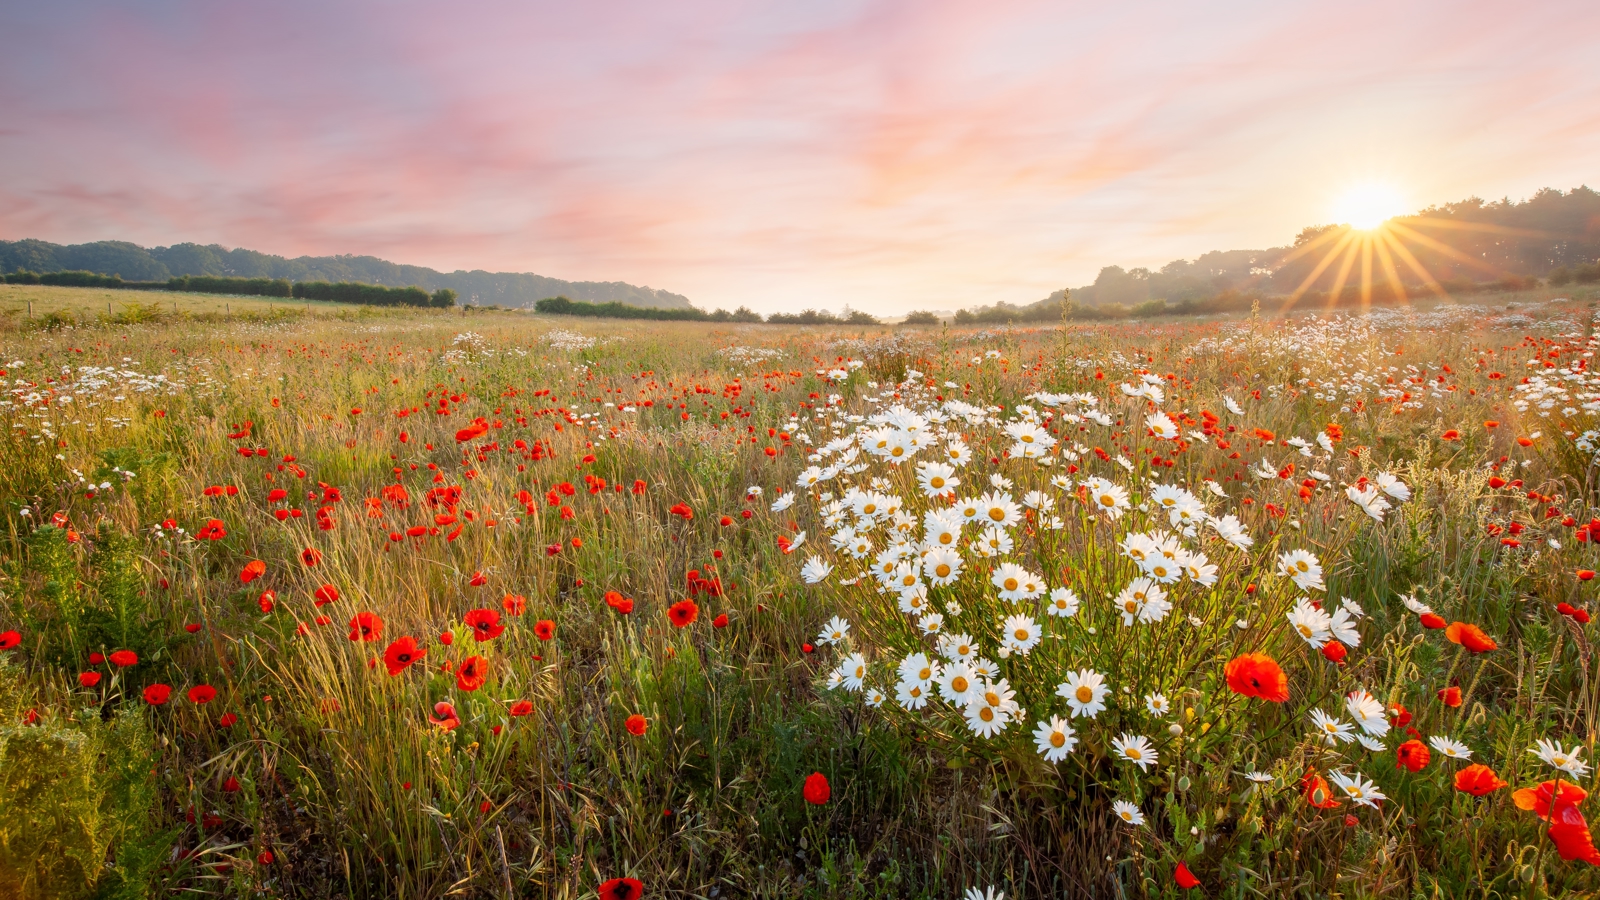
{"type": "Point", "coordinates": [22, 276]}
{"type": "Point", "coordinates": [57, 602]}
{"type": "Point", "coordinates": [364, 294]}
{"type": "Point", "coordinates": [257, 287]}
{"type": "Point", "coordinates": [80, 279]}
{"type": "Point", "coordinates": [562, 306]}
{"type": "Point", "coordinates": [77, 791]}
{"type": "Point", "coordinates": [921, 317]}
{"type": "Point", "coordinates": [443, 298]}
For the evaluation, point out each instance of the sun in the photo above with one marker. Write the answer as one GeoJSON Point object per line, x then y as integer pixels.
{"type": "Point", "coordinates": [1366, 206]}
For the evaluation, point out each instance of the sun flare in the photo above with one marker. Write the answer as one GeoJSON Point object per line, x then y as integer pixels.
{"type": "Point", "coordinates": [1366, 206]}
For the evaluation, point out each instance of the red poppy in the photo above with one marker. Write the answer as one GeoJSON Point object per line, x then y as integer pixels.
{"type": "Point", "coordinates": [515, 604]}
{"type": "Point", "coordinates": [683, 511]}
{"type": "Point", "coordinates": [9, 639]}
{"type": "Point", "coordinates": [1399, 716]}
{"type": "Point", "coordinates": [720, 621]}
{"type": "Point", "coordinates": [444, 716]}
{"type": "Point", "coordinates": [817, 790]}
{"type": "Point", "coordinates": [637, 725]}
{"type": "Point", "coordinates": [1538, 799]}
{"type": "Point", "coordinates": [1585, 574]}
{"type": "Point", "coordinates": [401, 654]}
{"type": "Point", "coordinates": [1568, 830]}
{"type": "Point", "coordinates": [89, 679]}
{"type": "Point", "coordinates": [1316, 791]}
{"type": "Point", "coordinates": [638, 486]}
{"type": "Point", "coordinates": [202, 693]}
{"type": "Point", "coordinates": [683, 613]}
{"type": "Point", "coordinates": [1413, 755]}
{"type": "Point", "coordinates": [485, 624]}
{"type": "Point", "coordinates": [267, 600]}
{"type": "Point", "coordinates": [1432, 621]}
{"type": "Point", "coordinates": [522, 708]}
{"type": "Point", "coordinates": [227, 720]}
{"type": "Point", "coordinates": [213, 530]}
{"type": "Point", "coordinates": [544, 629]}
{"type": "Point", "coordinates": [252, 570]}
{"type": "Point", "coordinates": [473, 673]}
{"type": "Point", "coordinates": [366, 627]}
{"type": "Point", "coordinates": [311, 556]}
{"type": "Point", "coordinates": [124, 658]}
{"type": "Point", "coordinates": [326, 594]}
{"type": "Point", "coordinates": [1257, 675]}
{"type": "Point", "coordinates": [231, 786]}
{"type": "Point", "coordinates": [1334, 652]}
{"type": "Point", "coordinates": [264, 858]}
{"type": "Point", "coordinates": [1184, 877]}
{"type": "Point", "coordinates": [622, 889]}
{"type": "Point", "coordinates": [478, 579]}
{"type": "Point", "coordinates": [1450, 696]}
{"type": "Point", "coordinates": [1470, 637]}
{"type": "Point", "coordinates": [157, 694]}
{"type": "Point", "coordinates": [1450, 435]}
{"type": "Point", "coordinates": [1477, 780]}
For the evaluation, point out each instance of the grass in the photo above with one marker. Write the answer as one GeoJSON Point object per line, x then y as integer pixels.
{"type": "Point", "coordinates": [20, 301]}
{"type": "Point", "coordinates": [315, 773]}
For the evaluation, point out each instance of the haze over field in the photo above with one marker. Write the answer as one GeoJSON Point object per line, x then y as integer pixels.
{"type": "Point", "coordinates": [888, 156]}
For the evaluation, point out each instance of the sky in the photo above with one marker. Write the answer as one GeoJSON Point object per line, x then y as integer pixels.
{"type": "Point", "coordinates": [888, 156]}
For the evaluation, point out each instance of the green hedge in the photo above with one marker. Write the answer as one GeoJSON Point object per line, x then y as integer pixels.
{"type": "Point", "coordinates": [562, 306]}
{"type": "Point", "coordinates": [369, 294]}
{"type": "Point", "coordinates": [211, 284]}
{"type": "Point", "coordinates": [80, 279]}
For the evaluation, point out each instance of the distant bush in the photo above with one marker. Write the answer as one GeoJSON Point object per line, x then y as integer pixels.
{"type": "Point", "coordinates": [921, 317]}
{"type": "Point", "coordinates": [443, 298]}
{"type": "Point", "coordinates": [1587, 274]}
{"type": "Point", "coordinates": [364, 294]}
{"type": "Point", "coordinates": [822, 317]}
{"type": "Point", "coordinates": [561, 306]}
{"type": "Point", "coordinates": [211, 284]}
{"type": "Point", "coordinates": [80, 279]}
{"type": "Point", "coordinates": [1156, 307]}
{"type": "Point", "coordinates": [22, 276]}
{"type": "Point", "coordinates": [742, 314]}
{"type": "Point", "coordinates": [1560, 276]}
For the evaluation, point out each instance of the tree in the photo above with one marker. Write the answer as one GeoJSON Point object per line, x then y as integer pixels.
{"type": "Point", "coordinates": [443, 298]}
{"type": "Point", "coordinates": [921, 317]}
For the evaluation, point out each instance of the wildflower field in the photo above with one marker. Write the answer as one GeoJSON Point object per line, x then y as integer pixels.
{"type": "Point", "coordinates": [421, 604]}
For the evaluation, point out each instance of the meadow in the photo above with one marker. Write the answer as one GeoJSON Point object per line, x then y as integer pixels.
{"type": "Point", "coordinates": [352, 602]}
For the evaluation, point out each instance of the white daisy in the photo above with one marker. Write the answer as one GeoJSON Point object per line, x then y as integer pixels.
{"type": "Point", "coordinates": [1063, 603]}
{"type": "Point", "coordinates": [1021, 633]}
{"type": "Point", "coordinates": [1450, 748]}
{"type": "Point", "coordinates": [1136, 749]}
{"type": "Point", "coordinates": [1054, 739]}
{"type": "Point", "coordinates": [1085, 692]}
{"type": "Point", "coordinates": [834, 631]}
{"type": "Point", "coordinates": [1128, 812]}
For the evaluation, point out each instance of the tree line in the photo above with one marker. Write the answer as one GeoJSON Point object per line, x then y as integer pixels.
{"type": "Point", "coordinates": [336, 292]}
{"type": "Point", "coordinates": [158, 264]}
{"type": "Point", "coordinates": [565, 306]}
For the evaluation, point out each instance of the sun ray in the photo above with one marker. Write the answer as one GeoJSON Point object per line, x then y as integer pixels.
{"type": "Point", "coordinates": [1399, 249]}
{"type": "Point", "coordinates": [1447, 250]}
{"type": "Point", "coordinates": [1366, 275]}
{"type": "Point", "coordinates": [1322, 266]}
{"type": "Point", "coordinates": [1393, 273]}
{"type": "Point", "coordinates": [1314, 243]}
{"type": "Point", "coordinates": [1343, 276]}
{"type": "Point", "coordinates": [1429, 222]}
